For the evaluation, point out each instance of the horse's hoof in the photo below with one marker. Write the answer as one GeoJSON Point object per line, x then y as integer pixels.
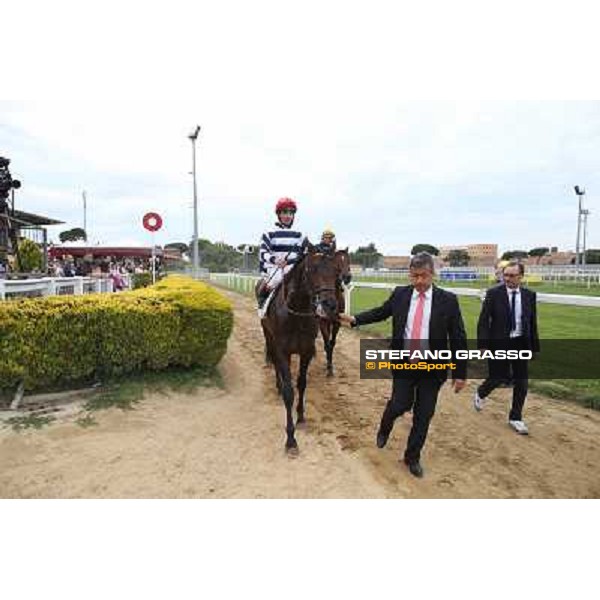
{"type": "Point", "coordinates": [329, 372]}
{"type": "Point", "coordinates": [292, 450]}
{"type": "Point", "coordinates": [301, 422]}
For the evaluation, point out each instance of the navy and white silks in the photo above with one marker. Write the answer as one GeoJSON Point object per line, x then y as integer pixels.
{"type": "Point", "coordinates": [276, 243]}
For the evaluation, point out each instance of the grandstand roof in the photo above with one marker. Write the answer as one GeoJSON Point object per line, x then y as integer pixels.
{"type": "Point", "coordinates": [116, 251]}
{"type": "Point", "coordinates": [25, 219]}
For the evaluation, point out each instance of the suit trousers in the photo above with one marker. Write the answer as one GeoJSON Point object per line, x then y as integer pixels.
{"type": "Point", "coordinates": [418, 394]}
{"type": "Point", "coordinates": [501, 371]}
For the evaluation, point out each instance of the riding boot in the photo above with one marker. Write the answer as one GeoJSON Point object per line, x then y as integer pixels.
{"type": "Point", "coordinates": [262, 295]}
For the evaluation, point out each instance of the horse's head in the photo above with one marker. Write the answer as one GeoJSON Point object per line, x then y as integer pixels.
{"type": "Point", "coordinates": [342, 262]}
{"type": "Point", "coordinates": [322, 273]}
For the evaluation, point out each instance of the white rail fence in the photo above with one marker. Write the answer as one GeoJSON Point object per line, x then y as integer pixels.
{"type": "Point", "coordinates": [588, 276]}
{"type": "Point", "coordinates": [245, 284]}
{"type": "Point", "coordinates": [57, 286]}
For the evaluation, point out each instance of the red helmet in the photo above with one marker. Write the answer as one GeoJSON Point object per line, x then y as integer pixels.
{"type": "Point", "coordinates": [284, 203]}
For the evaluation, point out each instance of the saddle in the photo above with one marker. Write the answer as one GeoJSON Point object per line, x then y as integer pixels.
{"type": "Point", "coordinates": [262, 310]}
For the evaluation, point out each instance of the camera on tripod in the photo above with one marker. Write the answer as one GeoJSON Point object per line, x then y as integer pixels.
{"type": "Point", "coordinates": [7, 183]}
{"type": "Point", "coordinates": [7, 228]}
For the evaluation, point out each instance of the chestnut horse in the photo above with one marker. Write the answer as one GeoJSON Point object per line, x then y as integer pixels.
{"type": "Point", "coordinates": [290, 326]}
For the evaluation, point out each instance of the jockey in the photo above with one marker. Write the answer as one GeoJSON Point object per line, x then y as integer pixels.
{"type": "Point", "coordinates": [280, 249]}
{"type": "Point", "coordinates": [327, 243]}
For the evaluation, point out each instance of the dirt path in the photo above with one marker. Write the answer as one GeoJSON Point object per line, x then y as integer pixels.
{"type": "Point", "coordinates": [229, 443]}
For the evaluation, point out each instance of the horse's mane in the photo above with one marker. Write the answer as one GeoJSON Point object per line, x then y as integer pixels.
{"type": "Point", "coordinates": [294, 271]}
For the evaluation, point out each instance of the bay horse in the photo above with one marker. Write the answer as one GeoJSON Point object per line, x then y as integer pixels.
{"type": "Point", "coordinates": [329, 327]}
{"type": "Point", "coordinates": [290, 327]}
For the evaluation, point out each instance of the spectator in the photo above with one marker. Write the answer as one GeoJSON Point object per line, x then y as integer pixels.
{"type": "Point", "coordinates": [69, 269]}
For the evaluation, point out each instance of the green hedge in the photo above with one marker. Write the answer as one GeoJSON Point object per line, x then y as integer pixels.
{"type": "Point", "coordinates": [56, 341]}
{"type": "Point", "coordinates": [141, 280]}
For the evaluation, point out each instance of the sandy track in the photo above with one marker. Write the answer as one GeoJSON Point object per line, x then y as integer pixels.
{"type": "Point", "coordinates": [229, 443]}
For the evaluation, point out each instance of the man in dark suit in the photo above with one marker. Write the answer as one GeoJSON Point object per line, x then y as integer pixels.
{"type": "Point", "coordinates": [420, 311]}
{"type": "Point", "coordinates": [508, 321]}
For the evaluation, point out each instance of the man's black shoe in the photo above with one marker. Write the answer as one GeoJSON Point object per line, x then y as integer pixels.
{"type": "Point", "coordinates": [382, 439]}
{"type": "Point", "coordinates": [414, 467]}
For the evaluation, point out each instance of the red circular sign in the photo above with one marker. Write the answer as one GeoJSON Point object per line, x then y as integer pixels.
{"type": "Point", "coordinates": [152, 221]}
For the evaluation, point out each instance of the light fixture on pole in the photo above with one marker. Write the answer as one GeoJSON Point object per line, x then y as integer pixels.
{"type": "Point", "coordinates": [580, 192]}
{"type": "Point", "coordinates": [193, 137]}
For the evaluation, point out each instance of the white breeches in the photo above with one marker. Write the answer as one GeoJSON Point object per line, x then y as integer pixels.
{"type": "Point", "coordinates": [275, 275]}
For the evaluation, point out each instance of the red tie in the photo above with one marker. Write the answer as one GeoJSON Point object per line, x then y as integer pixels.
{"type": "Point", "coordinates": [415, 334]}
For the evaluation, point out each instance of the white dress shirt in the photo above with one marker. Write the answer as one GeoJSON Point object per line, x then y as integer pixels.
{"type": "Point", "coordinates": [518, 311]}
{"type": "Point", "coordinates": [411, 316]}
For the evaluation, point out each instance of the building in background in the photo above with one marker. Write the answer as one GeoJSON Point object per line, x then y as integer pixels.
{"type": "Point", "coordinates": [480, 255]}
{"type": "Point", "coordinates": [30, 226]}
{"type": "Point", "coordinates": [396, 262]}
{"type": "Point", "coordinates": [555, 258]}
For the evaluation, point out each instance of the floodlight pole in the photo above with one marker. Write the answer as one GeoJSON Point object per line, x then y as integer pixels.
{"type": "Point", "coordinates": [85, 213]}
{"type": "Point", "coordinates": [584, 214]}
{"type": "Point", "coordinates": [580, 192]}
{"type": "Point", "coordinates": [193, 137]}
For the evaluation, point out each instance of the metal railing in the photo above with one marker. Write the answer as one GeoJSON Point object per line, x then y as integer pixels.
{"type": "Point", "coordinates": [235, 281]}
{"type": "Point", "coordinates": [245, 284]}
{"type": "Point", "coordinates": [188, 270]}
{"type": "Point", "coordinates": [588, 276]}
{"type": "Point", "coordinates": [57, 286]}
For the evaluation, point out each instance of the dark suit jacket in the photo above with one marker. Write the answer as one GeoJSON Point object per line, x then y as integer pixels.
{"type": "Point", "coordinates": [494, 320]}
{"type": "Point", "coordinates": [445, 325]}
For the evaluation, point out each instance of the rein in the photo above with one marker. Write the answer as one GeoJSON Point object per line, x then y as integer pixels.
{"type": "Point", "coordinates": [315, 294]}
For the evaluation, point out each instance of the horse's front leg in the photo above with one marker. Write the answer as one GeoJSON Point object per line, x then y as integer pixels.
{"type": "Point", "coordinates": [335, 327]}
{"type": "Point", "coordinates": [287, 391]}
{"type": "Point", "coordinates": [301, 383]}
{"type": "Point", "coordinates": [325, 326]}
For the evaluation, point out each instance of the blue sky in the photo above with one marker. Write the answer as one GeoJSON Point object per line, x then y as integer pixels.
{"type": "Point", "coordinates": [382, 148]}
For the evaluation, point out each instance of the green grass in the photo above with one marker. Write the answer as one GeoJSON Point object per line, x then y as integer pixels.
{"type": "Point", "coordinates": [555, 321]}
{"type": "Point", "coordinates": [562, 287]}
{"type": "Point", "coordinates": [583, 391]}
{"type": "Point", "coordinates": [31, 421]}
{"type": "Point", "coordinates": [86, 421]}
{"type": "Point", "coordinates": [125, 392]}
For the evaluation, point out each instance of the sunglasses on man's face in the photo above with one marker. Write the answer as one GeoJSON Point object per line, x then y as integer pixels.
{"type": "Point", "coordinates": [512, 274]}
{"type": "Point", "coordinates": [287, 211]}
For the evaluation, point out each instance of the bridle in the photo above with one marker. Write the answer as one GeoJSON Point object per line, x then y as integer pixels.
{"type": "Point", "coordinates": [342, 278]}
{"type": "Point", "coordinates": [314, 293]}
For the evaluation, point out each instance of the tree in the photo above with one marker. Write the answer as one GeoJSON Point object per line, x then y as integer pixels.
{"type": "Point", "coordinates": [183, 248]}
{"type": "Point", "coordinates": [218, 257]}
{"type": "Point", "coordinates": [72, 235]}
{"type": "Point", "coordinates": [592, 256]}
{"type": "Point", "coordinates": [31, 256]}
{"type": "Point", "coordinates": [366, 256]}
{"type": "Point", "coordinates": [539, 251]}
{"type": "Point", "coordinates": [514, 254]}
{"type": "Point", "coordinates": [458, 258]}
{"type": "Point", "coordinates": [425, 248]}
